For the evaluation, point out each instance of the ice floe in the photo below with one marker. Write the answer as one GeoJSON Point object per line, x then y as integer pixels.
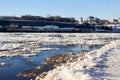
{"type": "Point", "coordinates": [2, 64]}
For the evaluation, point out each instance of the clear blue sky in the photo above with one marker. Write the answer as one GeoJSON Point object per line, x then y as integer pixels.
{"type": "Point", "coordinates": [105, 9]}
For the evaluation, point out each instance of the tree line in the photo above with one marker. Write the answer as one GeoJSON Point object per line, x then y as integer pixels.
{"type": "Point", "coordinates": [49, 18]}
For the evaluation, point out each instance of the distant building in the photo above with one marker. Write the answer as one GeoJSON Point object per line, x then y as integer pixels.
{"type": "Point", "coordinates": [92, 20]}
{"type": "Point", "coordinates": [113, 21]}
{"type": "Point", "coordinates": [103, 22]}
{"type": "Point", "coordinates": [81, 20]}
{"type": "Point", "coordinates": [119, 20]}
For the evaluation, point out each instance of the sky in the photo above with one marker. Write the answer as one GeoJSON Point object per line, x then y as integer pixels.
{"type": "Point", "coordinates": [104, 9]}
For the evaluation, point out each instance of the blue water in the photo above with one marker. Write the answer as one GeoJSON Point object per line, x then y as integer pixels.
{"type": "Point", "coordinates": [18, 65]}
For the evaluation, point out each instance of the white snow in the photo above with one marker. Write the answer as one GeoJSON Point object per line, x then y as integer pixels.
{"type": "Point", "coordinates": [92, 66]}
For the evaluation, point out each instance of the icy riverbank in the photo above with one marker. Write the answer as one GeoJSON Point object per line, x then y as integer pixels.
{"type": "Point", "coordinates": [98, 64]}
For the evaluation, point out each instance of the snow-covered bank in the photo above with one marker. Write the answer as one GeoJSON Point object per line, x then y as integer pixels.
{"type": "Point", "coordinates": [92, 66]}
{"type": "Point", "coordinates": [112, 72]}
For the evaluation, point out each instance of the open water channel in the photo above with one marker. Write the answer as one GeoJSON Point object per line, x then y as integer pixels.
{"type": "Point", "coordinates": [17, 64]}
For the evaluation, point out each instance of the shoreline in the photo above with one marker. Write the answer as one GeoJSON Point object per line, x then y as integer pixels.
{"type": "Point", "coordinates": [92, 66]}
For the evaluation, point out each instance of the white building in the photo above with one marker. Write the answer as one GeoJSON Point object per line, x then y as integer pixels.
{"type": "Point", "coordinates": [92, 20]}
{"type": "Point", "coordinates": [113, 21]}
{"type": "Point", "coordinates": [81, 20]}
